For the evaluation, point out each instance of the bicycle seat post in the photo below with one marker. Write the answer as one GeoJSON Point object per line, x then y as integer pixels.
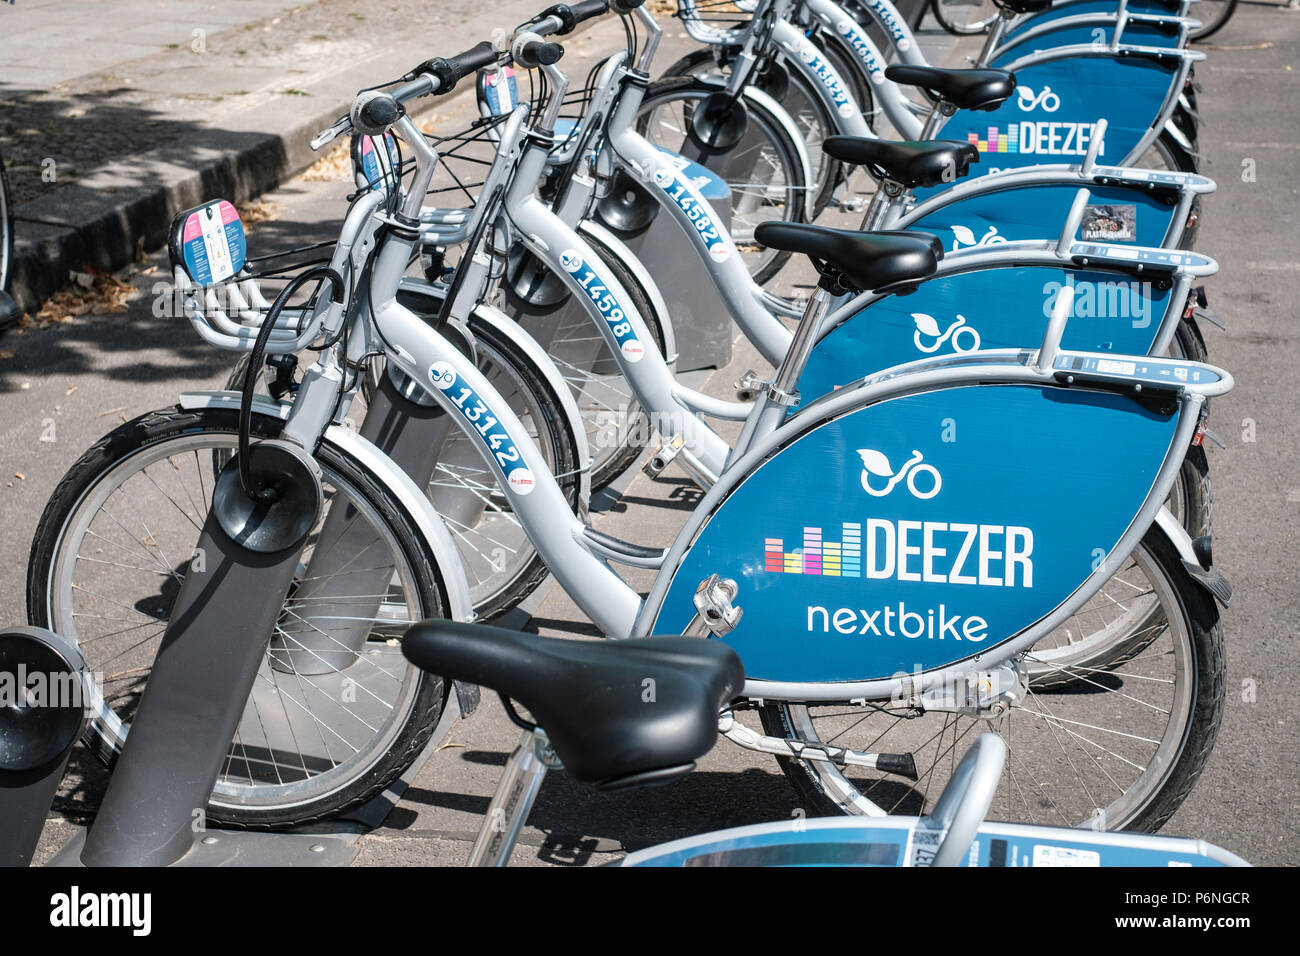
{"type": "Point", "coordinates": [513, 799]}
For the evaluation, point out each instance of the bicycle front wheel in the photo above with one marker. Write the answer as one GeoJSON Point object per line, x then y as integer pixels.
{"type": "Point", "coordinates": [1111, 746]}
{"type": "Point", "coordinates": [110, 552]}
{"type": "Point", "coordinates": [501, 565]}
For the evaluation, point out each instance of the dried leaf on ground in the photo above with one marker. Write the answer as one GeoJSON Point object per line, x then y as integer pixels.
{"type": "Point", "coordinates": [91, 292]}
{"type": "Point", "coordinates": [334, 166]}
{"type": "Point", "coordinates": [259, 210]}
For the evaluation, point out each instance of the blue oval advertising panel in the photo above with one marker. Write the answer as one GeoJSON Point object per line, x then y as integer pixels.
{"type": "Point", "coordinates": [919, 531]}
{"type": "Point", "coordinates": [989, 309]}
{"type": "Point", "coordinates": [1052, 115]}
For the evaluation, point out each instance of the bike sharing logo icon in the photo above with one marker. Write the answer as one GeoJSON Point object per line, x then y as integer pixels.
{"type": "Point", "coordinates": [964, 337]}
{"type": "Point", "coordinates": [1027, 100]}
{"type": "Point", "coordinates": [876, 466]}
{"type": "Point", "coordinates": [964, 238]}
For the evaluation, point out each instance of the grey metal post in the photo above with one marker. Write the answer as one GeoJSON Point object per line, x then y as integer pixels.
{"type": "Point", "coordinates": [207, 662]}
{"type": "Point", "coordinates": [341, 587]}
{"type": "Point", "coordinates": [45, 675]}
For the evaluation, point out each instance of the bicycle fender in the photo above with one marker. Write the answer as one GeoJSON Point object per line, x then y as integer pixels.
{"type": "Point", "coordinates": [1211, 578]}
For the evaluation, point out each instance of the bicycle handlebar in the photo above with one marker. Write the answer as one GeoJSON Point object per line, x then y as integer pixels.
{"type": "Point", "coordinates": [530, 52]}
{"type": "Point", "coordinates": [449, 70]}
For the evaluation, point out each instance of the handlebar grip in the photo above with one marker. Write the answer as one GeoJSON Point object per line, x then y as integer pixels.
{"type": "Point", "coordinates": [451, 69]}
{"type": "Point", "coordinates": [624, 6]}
{"type": "Point", "coordinates": [539, 53]}
{"type": "Point", "coordinates": [373, 112]}
{"type": "Point", "coordinates": [571, 14]}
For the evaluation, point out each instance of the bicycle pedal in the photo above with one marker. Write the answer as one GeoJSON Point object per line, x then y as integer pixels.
{"type": "Point", "coordinates": [748, 386]}
{"type": "Point", "coordinates": [663, 456]}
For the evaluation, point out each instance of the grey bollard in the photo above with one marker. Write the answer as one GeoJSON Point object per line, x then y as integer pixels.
{"type": "Point", "coordinates": [207, 662]}
{"type": "Point", "coordinates": [412, 434]}
{"type": "Point", "coordinates": [44, 698]}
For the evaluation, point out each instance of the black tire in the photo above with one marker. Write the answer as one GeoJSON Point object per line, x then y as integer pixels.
{"type": "Point", "coordinates": [6, 228]}
{"type": "Point", "coordinates": [1173, 155]}
{"type": "Point", "coordinates": [792, 210]}
{"type": "Point", "coordinates": [425, 702]}
{"type": "Point", "coordinates": [1193, 490]}
{"type": "Point", "coordinates": [1216, 16]}
{"type": "Point", "coordinates": [1192, 744]}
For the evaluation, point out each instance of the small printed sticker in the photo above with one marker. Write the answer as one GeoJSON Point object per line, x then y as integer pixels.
{"type": "Point", "coordinates": [501, 91]}
{"type": "Point", "coordinates": [522, 481]}
{"type": "Point", "coordinates": [1064, 856]}
{"type": "Point", "coordinates": [606, 303]}
{"type": "Point", "coordinates": [487, 424]}
{"type": "Point", "coordinates": [1109, 223]}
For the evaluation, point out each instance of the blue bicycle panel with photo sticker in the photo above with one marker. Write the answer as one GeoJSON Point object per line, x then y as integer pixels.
{"type": "Point", "coordinates": [920, 531]}
{"type": "Point", "coordinates": [1002, 308]}
{"type": "Point", "coordinates": [1040, 212]}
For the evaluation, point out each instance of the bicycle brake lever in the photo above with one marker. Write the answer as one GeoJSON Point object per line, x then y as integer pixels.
{"type": "Point", "coordinates": [328, 135]}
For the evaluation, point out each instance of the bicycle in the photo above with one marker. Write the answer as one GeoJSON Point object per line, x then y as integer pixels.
{"type": "Point", "coordinates": [653, 381]}
{"type": "Point", "coordinates": [778, 30]}
{"type": "Point", "coordinates": [631, 743]}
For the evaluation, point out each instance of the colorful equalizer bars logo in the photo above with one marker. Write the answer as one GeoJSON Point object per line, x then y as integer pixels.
{"type": "Point", "coordinates": [842, 559]}
{"type": "Point", "coordinates": [997, 142]}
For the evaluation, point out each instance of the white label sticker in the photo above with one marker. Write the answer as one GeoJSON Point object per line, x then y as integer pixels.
{"type": "Point", "coordinates": [1064, 856]}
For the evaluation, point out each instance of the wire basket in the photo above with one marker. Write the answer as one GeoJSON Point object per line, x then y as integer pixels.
{"type": "Point", "coordinates": [227, 295]}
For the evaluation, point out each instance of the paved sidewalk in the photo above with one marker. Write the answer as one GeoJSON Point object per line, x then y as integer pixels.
{"type": "Point", "coordinates": [113, 117]}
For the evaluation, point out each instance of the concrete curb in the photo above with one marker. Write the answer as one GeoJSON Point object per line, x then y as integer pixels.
{"type": "Point", "coordinates": [124, 209]}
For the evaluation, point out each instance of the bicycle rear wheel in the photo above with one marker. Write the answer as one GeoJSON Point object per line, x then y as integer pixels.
{"type": "Point", "coordinates": [113, 545]}
{"type": "Point", "coordinates": [1108, 747]}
